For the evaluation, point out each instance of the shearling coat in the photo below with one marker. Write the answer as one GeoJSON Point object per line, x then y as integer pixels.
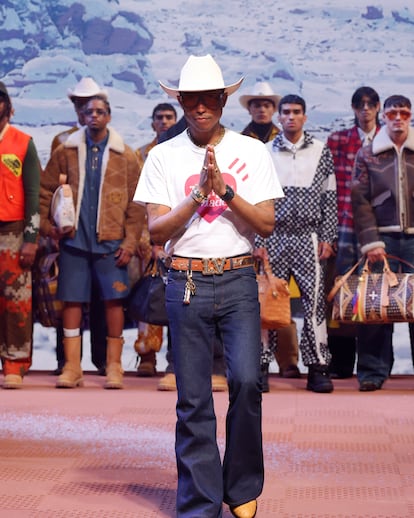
{"type": "Point", "coordinates": [119, 217]}
{"type": "Point", "coordinates": [383, 190]}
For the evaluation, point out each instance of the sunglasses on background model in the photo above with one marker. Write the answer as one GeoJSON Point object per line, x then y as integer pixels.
{"type": "Point", "coordinates": [361, 105]}
{"type": "Point", "coordinates": [212, 101]}
{"type": "Point", "coordinates": [393, 114]}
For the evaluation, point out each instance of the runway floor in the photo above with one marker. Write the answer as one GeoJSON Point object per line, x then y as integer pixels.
{"type": "Point", "coordinates": [94, 453]}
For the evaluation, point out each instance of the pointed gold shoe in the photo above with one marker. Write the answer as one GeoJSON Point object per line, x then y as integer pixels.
{"type": "Point", "coordinates": [247, 510]}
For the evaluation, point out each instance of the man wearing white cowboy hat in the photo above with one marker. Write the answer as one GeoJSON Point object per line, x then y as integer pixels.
{"type": "Point", "coordinates": [262, 104]}
{"type": "Point", "coordinates": [208, 191]}
{"type": "Point", "coordinates": [79, 95]}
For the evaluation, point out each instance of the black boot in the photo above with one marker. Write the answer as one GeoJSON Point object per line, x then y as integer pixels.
{"type": "Point", "coordinates": [319, 379]}
{"type": "Point", "coordinates": [264, 377]}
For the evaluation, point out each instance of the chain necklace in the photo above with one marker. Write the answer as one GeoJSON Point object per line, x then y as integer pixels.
{"type": "Point", "coordinates": [220, 138]}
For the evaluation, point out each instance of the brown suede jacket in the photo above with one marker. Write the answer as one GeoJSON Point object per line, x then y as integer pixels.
{"type": "Point", "coordinates": [119, 217]}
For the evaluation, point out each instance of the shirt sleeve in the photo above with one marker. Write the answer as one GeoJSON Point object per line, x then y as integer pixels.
{"type": "Point", "coordinates": [31, 186]}
{"type": "Point", "coordinates": [328, 231]}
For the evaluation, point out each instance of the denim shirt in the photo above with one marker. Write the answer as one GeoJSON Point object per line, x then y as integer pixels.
{"type": "Point", "coordinates": [86, 235]}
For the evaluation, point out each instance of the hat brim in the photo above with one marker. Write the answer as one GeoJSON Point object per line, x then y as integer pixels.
{"type": "Point", "coordinates": [245, 99]}
{"type": "Point", "coordinates": [175, 92]}
{"type": "Point", "coordinates": [86, 95]}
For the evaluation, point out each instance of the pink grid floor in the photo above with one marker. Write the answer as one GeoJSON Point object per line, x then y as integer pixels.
{"type": "Point", "coordinates": [92, 453]}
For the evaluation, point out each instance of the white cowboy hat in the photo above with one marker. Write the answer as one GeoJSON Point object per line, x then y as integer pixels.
{"type": "Point", "coordinates": [86, 88]}
{"type": "Point", "coordinates": [261, 90]}
{"type": "Point", "coordinates": [199, 74]}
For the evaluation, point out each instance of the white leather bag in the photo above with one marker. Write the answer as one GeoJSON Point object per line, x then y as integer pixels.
{"type": "Point", "coordinates": [62, 207]}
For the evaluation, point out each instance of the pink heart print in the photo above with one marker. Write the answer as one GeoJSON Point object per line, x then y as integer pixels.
{"type": "Point", "coordinates": [214, 206]}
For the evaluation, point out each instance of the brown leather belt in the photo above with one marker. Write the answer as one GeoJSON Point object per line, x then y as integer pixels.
{"type": "Point", "coordinates": [211, 266]}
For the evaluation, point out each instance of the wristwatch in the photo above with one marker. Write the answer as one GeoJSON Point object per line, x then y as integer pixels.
{"type": "Point", "coordinates": [228, 195]}
{"type": "Point", "coordinates": [197, 195]}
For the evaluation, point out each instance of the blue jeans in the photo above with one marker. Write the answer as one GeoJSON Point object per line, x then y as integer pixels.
{"type": "Point", "coordinates": [375, 351]}
{"type": "Point", "coordinates": [228, 304]}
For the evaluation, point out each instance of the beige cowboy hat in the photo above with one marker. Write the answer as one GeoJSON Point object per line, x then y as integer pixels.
{"type": "Point", "coordinates": [261, 90]}
{"type": "Point", "coordinates": [86, 88]}
{"type": "Point", "coordinates": [199, 74]}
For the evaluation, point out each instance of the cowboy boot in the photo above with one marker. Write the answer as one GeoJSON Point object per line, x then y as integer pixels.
{"type": "Point", "coordinates": [71, 376]}
{"type": "Point", "coordinates": [114, 371]}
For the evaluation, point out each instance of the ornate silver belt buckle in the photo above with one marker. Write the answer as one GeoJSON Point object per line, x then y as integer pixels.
{"type": "Point", "coordinates": [212, 266]}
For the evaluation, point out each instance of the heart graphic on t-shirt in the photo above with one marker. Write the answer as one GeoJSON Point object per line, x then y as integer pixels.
{"type": "Point", "coordinates": [214, 206]}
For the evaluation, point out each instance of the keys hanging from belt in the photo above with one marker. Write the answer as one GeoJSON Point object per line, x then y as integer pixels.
{"type": "Point", "coordinates": [190, 288]}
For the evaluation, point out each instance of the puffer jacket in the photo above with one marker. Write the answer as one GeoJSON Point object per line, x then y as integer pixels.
{"type": "Point", "coordinates": [383, 190]}
{"type": "Point", "coordinates": [119, 217]}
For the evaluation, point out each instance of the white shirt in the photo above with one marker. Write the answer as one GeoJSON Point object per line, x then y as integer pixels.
{"type": "Point", "coordinates": [367, 138]}
{"type": "Point", "coordinates": [173, 168]}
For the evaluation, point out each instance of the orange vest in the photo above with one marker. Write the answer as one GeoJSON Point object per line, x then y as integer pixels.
{"type": "Point", "coordinates": [13, 149]}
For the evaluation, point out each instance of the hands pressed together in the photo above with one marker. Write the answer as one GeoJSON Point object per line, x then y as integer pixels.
{"type": "Point", "coordinates": [210, 175]}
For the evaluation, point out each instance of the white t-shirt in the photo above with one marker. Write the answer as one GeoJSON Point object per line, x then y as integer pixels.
{"type": "Point", "coordinates": [173, 168]}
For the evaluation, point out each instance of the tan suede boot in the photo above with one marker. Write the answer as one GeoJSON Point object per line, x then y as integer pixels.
{"type": "Point", "coordinates": [114, 371]}
{"type": "Point", "coordinates": [71, 376]}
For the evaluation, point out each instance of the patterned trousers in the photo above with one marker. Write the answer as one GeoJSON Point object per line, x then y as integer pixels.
{"type": "Point", "coordinates": [16, 325]}
{"type": "Point", "coordinates": [297, 255]}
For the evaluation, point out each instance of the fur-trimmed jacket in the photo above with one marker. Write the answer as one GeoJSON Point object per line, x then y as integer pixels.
{"type": "Point", "coordinates": [383, 190]}
{"type": "Point", "coordinates": [119, 217]}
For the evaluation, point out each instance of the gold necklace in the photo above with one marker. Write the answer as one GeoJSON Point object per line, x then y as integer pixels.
{"type": "Point", "coordinates": [220, 138]}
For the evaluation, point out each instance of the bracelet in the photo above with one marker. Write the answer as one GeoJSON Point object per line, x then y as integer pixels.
{"type": "Point", "coordinates": [197, 195]}
{"type": "Point", "coordinates": [228, 195]}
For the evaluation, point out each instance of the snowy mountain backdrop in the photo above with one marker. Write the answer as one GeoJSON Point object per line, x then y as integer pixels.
{"type": "Point", "coordinates": [321, 49]}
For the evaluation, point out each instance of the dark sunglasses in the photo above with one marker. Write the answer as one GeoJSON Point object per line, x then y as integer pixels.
{"type": "Point", "coordinates": [393, 114]}
{"type": "Point", "coordinates": [369, 104]}
{"type": "Point", "coordinates": [212, 101]}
